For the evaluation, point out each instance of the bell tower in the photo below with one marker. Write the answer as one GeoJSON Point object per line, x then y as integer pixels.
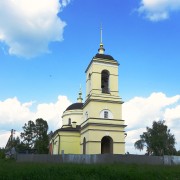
{"type": "Point", "coordinates": [102, 129]}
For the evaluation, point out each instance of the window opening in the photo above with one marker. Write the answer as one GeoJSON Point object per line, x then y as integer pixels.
{"type": "Point", "coordinates": [69, 121]}
{"type": "Point", "coordinates": [86, 115]}
{"type": "Point", "coordinates": [89, 83]}
{"type": "Point", "coordinates": [106, 114]}
{"type": "Point", "coordinates": [105, 81]}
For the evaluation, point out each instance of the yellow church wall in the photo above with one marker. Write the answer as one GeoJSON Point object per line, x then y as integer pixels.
{"type": "Point", "coordinates": [100, 66]}
{"type": "Point", "coordinates": [55, 144]}
{"type": "Point", "coordinates": [119, 148]}
{"type": "Point", "coordinates": [55, 149]}
{"type": "Point", "coordinates": [94, 109]}
{"type": "Point", "coordinates": [70, 143]}
{"type": "Point", "coordinates": [93, 148]}
{"type": "Point", "coordinates": [101, 122]}
{"type": "Point", "coordinates": [96, 133]}
{"type": "Point", "coordinates": [104, 127]}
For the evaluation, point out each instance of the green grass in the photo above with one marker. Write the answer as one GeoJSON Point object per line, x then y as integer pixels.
{"type": "Point", "coordinates": [12, 170]}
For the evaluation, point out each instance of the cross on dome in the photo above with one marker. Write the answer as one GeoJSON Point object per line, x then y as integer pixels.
{"type": "Point", "coordinates": [101, 48]}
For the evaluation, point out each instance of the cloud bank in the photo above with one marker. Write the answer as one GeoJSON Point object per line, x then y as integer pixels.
{"type": "Point", "coordinates": [28, 26]}
{"type": "Point", "coordinates": [140, 112]}
{"type": "Point", "coordinates": [157, 10]}
{"type": "Point", "coordinates": [14, 114]}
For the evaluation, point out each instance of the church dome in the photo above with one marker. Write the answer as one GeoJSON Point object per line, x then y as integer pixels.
{"type": "Point", "coordinates": [104, 56]}
{"type": "Point", "coordinates": [75, 106]}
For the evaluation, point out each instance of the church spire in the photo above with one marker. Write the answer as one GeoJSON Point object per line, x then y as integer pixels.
{"type": "Point", "coordinates": [101, 48]}
{"type": "Point", "coordinates": [79, 99]}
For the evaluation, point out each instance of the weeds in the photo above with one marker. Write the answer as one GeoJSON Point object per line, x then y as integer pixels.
{"type": "Point", "coordinates": [27, 171]}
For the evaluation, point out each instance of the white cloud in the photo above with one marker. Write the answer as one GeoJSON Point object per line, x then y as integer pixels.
{"type": "Point", "coordinates": [4, 136]}
{"type": "Point", "coordinates": [131, 138]}
{"type": "Point", "coordinates": [140, 112]}
{"type": "Point", "coordinates": [172, 117]}
{"type": "Point", "coordinates": [52, 112]}
{"type": "Point", "coordinates": [172, 112]}
{"type": "Point", "coordinates": [156, 10]}
{"type": "Point", "coordinates": [14, 114]}
{"type": "Point", "coordinates": [28, 26]}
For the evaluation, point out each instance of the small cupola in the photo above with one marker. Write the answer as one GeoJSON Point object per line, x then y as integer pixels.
{"type": "Point", "coordinates": [80, 99]}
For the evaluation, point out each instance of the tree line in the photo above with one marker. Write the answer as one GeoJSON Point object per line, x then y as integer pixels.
{"type": "Point", "coordinates": [34, 138]}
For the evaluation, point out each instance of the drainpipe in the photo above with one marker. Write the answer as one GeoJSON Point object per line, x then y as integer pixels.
{"type": "Point", "coordinates": [59, 145]}
{"type": "Point", "coordinates": [52, 146]}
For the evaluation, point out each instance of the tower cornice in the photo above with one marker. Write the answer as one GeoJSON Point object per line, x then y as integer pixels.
{"type": "Point", "coordinates": [103, 61]}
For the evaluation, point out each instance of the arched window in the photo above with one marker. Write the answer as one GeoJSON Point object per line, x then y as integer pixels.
{"type": "Point", "coordinates": [106, 115]}
{"type": "Point", "coordinates": [69, 121]}
{"type": "Point", "coordinates": [89, 84]}
{"type": "Point", "coordinates": [105, 81]}
{"type": "Point", "coordinates": [86, 115]}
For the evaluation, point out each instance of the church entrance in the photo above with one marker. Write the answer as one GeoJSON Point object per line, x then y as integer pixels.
{"type": "Point", "coordinates": [106, 145]}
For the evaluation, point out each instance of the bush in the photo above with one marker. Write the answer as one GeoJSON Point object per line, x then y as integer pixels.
{"type": "Point", "coordinates": [2, 153]}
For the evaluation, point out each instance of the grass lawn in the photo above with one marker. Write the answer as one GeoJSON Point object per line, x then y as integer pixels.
{"type": "Point", "coordinates": [11, 170]}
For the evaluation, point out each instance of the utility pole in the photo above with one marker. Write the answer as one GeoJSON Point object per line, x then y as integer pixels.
{"type": "Point", "coordinates": [12, 133]}
{"type": "Point", "coordinates": [10, 140]}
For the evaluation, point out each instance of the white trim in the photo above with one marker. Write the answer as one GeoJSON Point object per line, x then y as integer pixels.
{"type": "Point", "coordinates": [110, 65]}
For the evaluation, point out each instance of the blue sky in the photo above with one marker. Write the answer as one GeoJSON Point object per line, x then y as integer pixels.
{"type": "Point", "coordinates": [45, 50]}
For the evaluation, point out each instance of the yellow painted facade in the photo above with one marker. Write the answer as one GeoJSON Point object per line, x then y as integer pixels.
{"type": "Point", "coordinates": [66, 142]}
{"type": "Point", "coordinates": [95, 126]}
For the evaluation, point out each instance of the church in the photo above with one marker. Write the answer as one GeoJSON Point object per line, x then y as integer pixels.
{"type": "Point", "coordinates": [94, 126]}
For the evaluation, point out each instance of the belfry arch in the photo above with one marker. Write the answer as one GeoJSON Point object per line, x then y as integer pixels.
{"type": "Point", "coordinates": [105, 81]}
{"type": "Point", "coordinates": [106, 145]}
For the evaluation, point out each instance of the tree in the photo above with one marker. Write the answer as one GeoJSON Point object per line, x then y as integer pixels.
{"type": "Point", "coordinates": [35, 136]}
{"type": "Point", "coordinates": [28, 135]}
{"type": "Point", "coordinates": [178, 153]}
{"type": "Point", "coordinates": [42, 140]}
{"type": "Point", "coordinates": [158, 140]}
{"type": "Point", "coordinates": [19, 145]}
